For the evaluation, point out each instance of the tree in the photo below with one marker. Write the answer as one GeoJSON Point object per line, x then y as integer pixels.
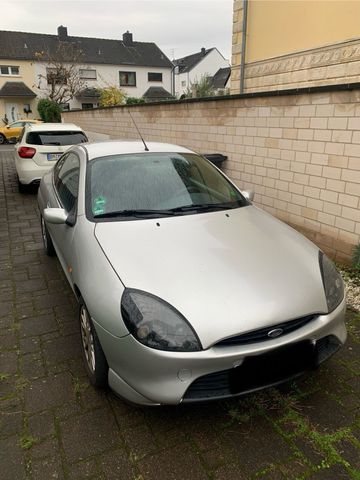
{"type": "Point", "coordinates": [62, 79]}
{"type": "Point", "coordinates": [110, 96]}
{"type": "Point", "coordinates": [49, 111]}
{"type": "Point", "coordinates": [200, 88]}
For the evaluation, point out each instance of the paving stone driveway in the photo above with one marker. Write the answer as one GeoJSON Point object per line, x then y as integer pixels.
{"type": "Point", "coordinates": [55, 426]}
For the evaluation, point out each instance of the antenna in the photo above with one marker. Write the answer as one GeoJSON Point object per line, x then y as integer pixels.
{"type": "Point", "coordinates": [146, 148]}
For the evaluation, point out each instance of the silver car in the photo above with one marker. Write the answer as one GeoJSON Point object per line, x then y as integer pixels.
{"type": "Point", "coordinates": [187, 292]}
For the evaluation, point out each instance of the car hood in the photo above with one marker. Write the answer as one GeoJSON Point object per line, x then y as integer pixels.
{"type": "Point", "coordinates": [227, 272]}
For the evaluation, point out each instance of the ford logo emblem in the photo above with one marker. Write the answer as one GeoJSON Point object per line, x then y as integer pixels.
{"type": "Point", "coordinates": [275, 333]}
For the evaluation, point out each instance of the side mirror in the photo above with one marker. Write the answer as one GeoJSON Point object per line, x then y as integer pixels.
{"type": "Point", "coordinates": [55, 215]}
{"type": "Point", "coordinates": [248, 194]}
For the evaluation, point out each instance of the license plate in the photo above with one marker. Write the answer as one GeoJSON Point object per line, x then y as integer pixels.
{"type": "Point", "coordinates": [53, 156]}
{"type": "Point", "coordinates": [270, 368]}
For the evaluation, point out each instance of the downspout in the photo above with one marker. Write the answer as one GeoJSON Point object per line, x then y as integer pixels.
{"type": "Point", "coordinates": [243, 46]}
{"type": "Point", "coordinates": [173, 80]}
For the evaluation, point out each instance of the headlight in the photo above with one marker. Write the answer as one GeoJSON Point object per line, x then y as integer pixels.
{"type": "Point", "coordinates": [333, 283]}
{"type": "Point", "coordinates": [156, 324]}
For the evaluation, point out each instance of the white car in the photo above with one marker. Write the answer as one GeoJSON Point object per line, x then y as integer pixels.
{"type": "Point", "coordinates": [40, 146]}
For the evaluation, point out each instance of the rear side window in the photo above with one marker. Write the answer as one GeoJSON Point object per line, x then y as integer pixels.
{"type": "Point", "coordinates": [56, 138]}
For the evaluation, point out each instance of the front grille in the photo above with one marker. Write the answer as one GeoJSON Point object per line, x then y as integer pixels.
{"type": "Point", "coordinates": [261, 334]}
{"type": "Point", "coordinates": [262, 371]}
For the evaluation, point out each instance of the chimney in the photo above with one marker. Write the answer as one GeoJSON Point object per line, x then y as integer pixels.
{"type": "Point", "coordinates": [62, 33]}
{"type": "Point", "coordinates": [128, 39]}
{"type": "Point", "coordinates": [203, 51]}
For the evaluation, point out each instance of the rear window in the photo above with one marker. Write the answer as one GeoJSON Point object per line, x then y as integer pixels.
{"type": "Point", "coordinates": [56, 138]}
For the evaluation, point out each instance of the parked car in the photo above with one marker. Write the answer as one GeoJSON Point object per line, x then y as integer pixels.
{"type": "Point", "coordinates": [13, 130]}
{"type": "Point", "coordinates": [40, 146]}
{"type": "Point", "coordinates": [187, 292]}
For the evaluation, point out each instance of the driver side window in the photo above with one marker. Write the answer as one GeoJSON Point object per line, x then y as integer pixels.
{"type": "Point", "coordinates": [67, 181]}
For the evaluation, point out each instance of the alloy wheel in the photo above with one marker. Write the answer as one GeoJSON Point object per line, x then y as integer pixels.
{"type": "Point", "coordinates": [87, 339]}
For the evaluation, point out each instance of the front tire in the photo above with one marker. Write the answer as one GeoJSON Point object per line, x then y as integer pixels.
{"type": "Point", "coordinates": [95, 362]}
{"type": "Point", "coordinates": [2, 139]}
{"type": "Point", "coordinates": [48, 244]}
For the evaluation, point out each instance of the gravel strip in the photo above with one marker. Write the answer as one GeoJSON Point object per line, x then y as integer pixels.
{"type": "Point", "coordinates": [352, 288]}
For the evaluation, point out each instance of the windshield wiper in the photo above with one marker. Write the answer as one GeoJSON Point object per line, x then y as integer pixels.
{"type": "Point", "coordinates": [203, 207]}
{"type": "Point", "coordinates": [206, 207]}
{"type": "Point", "coordinates": [134, 213]}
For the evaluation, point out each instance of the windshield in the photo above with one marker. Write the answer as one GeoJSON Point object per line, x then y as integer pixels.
{"type": "Point", "coordinates": [156, 184]}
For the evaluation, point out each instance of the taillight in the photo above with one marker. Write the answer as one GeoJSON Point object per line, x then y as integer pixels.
{"type": "Point", "coordinates": [26, 152]}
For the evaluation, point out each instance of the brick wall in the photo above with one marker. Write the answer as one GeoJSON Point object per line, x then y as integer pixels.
{"type": "Point", "coordinates": [299, 152]}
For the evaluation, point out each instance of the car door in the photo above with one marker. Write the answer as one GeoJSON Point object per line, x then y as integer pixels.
{"type": "Point", "coordinates": [14, 130]}
{"type": "Point", "coordinates": [64, 195]}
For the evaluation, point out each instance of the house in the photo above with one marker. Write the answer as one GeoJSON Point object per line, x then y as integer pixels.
{"type": "Point", "coordinates": [221, 80]}
{"type": "Point", "coordinates": [25, 71]}
{"type": "Point", "coordinates": [190, 69]}
{"type": "Point", "coordinates": [285, 45]}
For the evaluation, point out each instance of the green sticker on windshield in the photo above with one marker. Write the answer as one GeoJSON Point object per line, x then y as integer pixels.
{"type": "Point", "coordinates": [99, 205]}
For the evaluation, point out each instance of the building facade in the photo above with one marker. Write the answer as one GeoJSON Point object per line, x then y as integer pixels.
{"type": "Point", "coordinates": [17, 99]}
{"type": "Point", "coordinates": [293, 44]}
{"type": "Point", "coordinates": [190, 69]}
{"type": "Point", "coordinates": [27, 69]}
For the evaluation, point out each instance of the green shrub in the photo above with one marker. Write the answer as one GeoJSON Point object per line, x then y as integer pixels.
{"type": "Point", "coordinates": [111, 96]}
{"type": "Point", "coordinates": [134, 100]}
{"type": "Point", "coordinates": [49, 111]}
{"type": "Point", "coordinates": [356, 256]}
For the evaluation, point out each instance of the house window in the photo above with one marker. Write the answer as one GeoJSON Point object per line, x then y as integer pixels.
{"type": "Point", "coordinates": [87, 74]}
{"type": "Point", "coordinates": [154, 77]}
{"type": "Point", "coordinates": [127, 79]}
{"type": "Point", "coordinates": [55, 76]}
{"type": "Point", "coordinates": [9, 70]}
{"type": "Point", "coordinates": [65, 107]}
{"type": "Point", "coordinates": [183, 83]}
{"type": "Point", "coordinates": [87, 106]}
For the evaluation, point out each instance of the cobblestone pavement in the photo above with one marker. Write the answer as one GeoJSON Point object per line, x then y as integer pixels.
{"type": "Point", "coordinates": [55, 426]}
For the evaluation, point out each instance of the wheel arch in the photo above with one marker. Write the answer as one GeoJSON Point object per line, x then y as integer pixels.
{"type": "Point", "coordinates": [77, 291]}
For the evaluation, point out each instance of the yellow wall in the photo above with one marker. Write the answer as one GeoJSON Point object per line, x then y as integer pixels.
{"type": "Point", "coordinates": [280, 27]}
{"type": "Point", "coordinates": [26, 75]}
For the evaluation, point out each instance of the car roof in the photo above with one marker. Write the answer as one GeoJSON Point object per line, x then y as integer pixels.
{"type": "Point", "coordinates": [44, 127]}
{"type": "Point", "coordinates": [113, 147]}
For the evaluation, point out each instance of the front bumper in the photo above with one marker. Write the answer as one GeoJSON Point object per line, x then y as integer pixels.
{"type": "Point", "coordinates": [151, 377]}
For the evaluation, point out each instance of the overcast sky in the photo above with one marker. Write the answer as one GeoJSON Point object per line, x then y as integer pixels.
{"type": "Point", "coordinates": [178, 27]}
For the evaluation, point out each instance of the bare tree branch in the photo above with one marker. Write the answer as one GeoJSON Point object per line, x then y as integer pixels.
{"type": "Point", "coordinates": [62, 79]}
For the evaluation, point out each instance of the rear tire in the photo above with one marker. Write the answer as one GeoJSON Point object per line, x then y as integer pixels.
{"type": "Point", "coordinates": [21, 187]}
{"type": "Point", "coordinates": [48, 244]}
{"type": "Point", "coordinates": [95, 362]}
